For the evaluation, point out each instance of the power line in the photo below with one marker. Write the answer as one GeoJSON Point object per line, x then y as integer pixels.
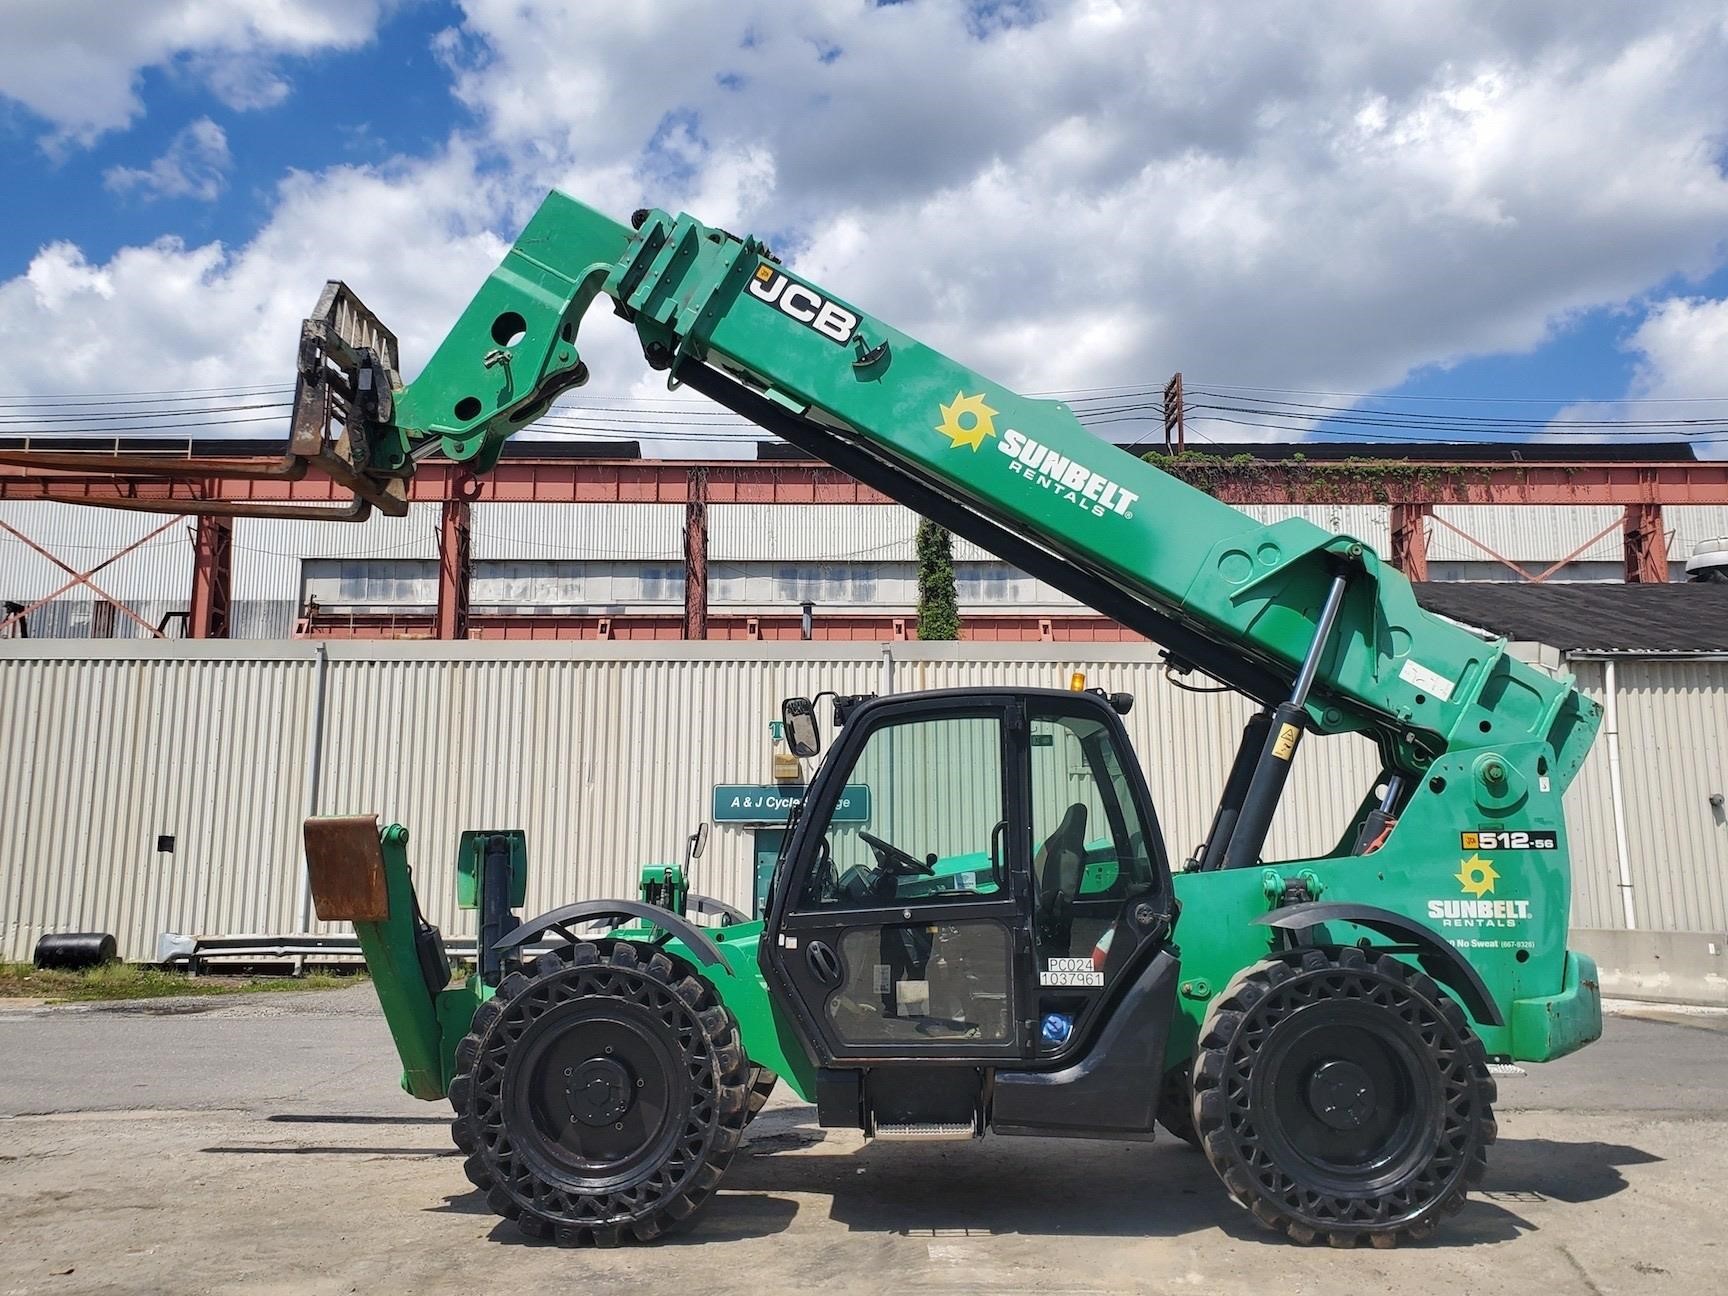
{"type": "Point", "coordinates": [1419, 419]}
{"type": "Point", "coordinates": [1510, 400]}
{"type": "Point", "coordinates": [1413, 437]}
{"type": "Point", "coordinates": [145, 398]}
{"type": "Point", "coordinates": [629, 418]}
{"type": "Point", "coordinates": [136, 414]}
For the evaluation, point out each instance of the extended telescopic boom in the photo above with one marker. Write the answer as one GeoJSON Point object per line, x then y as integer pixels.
{"type": "Point", "coordinates": [1311, 623]}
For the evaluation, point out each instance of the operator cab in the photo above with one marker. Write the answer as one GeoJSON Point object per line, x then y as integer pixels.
{"type": "Point", "coordinates": [975, 890]}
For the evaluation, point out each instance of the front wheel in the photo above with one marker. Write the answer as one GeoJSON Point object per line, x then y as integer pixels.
{"type": "Point", "coordinates": [761, 1084]}
{"type": "Point", "coordinates": [1343, 1097]}
{"type": "Point", "coordinates": [600, 1097]}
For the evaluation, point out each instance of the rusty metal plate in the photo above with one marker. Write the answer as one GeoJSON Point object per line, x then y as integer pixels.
{"type": "Point", "coordinates": [346, 866]}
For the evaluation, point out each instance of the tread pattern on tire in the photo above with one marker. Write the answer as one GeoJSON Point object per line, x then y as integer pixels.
{"type": "Point", "coordinates": [665, 1200]}
{"type": "Point", "coordinates": [1220, 1109]}
{"type": "Point", "coordinates": [762, 1082]}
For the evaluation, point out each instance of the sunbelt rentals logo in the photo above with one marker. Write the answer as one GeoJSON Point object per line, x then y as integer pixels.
{"type": "Point", "coordinates": [1476, 877]}
{"type": "Point", "coordinates": [968, 421]}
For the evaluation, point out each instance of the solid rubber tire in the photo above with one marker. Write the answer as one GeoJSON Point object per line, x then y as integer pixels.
{"type": "Point", "coordinates": [1457, 1152]}
{"type": "Point", "coordinates": [561, 1210]}
{"type": "Point", "coordinates": [762, 1082]}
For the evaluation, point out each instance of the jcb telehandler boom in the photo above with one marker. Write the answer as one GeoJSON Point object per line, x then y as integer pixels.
{"type": "Point", "coordinates": [974, 925]}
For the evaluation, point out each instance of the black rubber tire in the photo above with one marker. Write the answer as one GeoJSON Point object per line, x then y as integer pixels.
{"type": "Point", "coordinates": [762, 1082]}
{"type": "Point", "coordinates": [1437, 1104]}
{"type": "Point", "coordinates": [1176, 1105]}
{"type": "Point", "coordinates": [674, 1039]}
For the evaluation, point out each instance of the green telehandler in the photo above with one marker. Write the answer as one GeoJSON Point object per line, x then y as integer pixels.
{"type": "Point", "coordinates": [973, 925]}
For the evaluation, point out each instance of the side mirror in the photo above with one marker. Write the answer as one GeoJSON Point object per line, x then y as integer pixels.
{"type": "Point", "coordinates": [803, 735]}
{"type": "Point", "coordinates": [698, 843]}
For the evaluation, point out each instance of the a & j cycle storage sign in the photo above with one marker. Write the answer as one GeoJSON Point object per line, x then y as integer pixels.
{"type": "Point", "coordinates": [769, 803]}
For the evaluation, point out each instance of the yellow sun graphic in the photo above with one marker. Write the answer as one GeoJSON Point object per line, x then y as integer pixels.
{"type": "Point", "coordinates": [1476, 875]}
{"type": "Point", "coordinates": [960, 432]}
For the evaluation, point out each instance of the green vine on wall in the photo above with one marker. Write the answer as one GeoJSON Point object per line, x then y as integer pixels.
{"type": "Point", "coordinates": [1331, 481]}
{"type": "Point", "coordinates": [938, 602]}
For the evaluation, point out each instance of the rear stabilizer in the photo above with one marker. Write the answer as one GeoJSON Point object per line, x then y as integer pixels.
{"type": "Point", "coordinates": [360, 875]}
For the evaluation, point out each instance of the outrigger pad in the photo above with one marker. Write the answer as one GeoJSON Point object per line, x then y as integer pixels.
{"type": "Point", "coordinates": [346, 865]}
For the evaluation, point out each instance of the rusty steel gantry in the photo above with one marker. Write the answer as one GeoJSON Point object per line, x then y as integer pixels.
{"type": "Point", "coordinates": [1411, 492]}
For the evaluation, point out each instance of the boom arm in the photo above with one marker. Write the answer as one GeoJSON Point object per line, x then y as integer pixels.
{"type": "Point", "coordinates": [1237, 599]}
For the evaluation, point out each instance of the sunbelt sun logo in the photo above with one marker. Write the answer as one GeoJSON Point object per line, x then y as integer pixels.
{"type": "Point", "coordinates": [1476, 877]}
{"type": "Point", "coordinates": [968, 421]}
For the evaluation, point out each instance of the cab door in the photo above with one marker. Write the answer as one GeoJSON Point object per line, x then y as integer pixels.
{"type": "Point", "coordinates": [900, 929]}
{"type": "Point", "coordinates": [1101, 892]}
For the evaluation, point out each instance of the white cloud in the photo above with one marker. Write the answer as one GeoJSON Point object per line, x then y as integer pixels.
{"type": "Point", "coordinates": [1100, 195]}
{"type": "Point", "coordinates": [413, 240]}
{"type": "Point", "coordinates": [1683, 349]}
{"type": "Point", "coordinates": [76, 63]}
{"type": "Point", "coordinates": [1679, 385]}
{"type": "Point", "coordinates": [1121, 190]}
{"type": "Point", "coordinates": [195, 165]}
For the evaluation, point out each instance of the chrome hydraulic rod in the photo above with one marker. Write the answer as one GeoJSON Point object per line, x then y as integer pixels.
{"type": "Point", "coordinates": [1289, 719]}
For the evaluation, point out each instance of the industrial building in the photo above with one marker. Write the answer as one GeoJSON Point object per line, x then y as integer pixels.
{"type": "Point", "coordinates": [584, 542]}
{"type": "Point", "coordinates": [156, 784]}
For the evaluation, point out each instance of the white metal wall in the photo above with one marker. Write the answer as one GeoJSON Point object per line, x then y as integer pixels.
{"type": "Point", "coordinates": [1673, 741]}
{"type": "Point", "coordinates": [267, 551]}
{"type": "Point", "coordinates": [606, 753]}
{"type": "Point", "coordinates": [109, 747]}
{"type": "Point", "coordinates": [584, 531]}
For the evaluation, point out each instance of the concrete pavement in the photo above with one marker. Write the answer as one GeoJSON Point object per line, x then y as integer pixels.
{"type": "Point", "coordinates": [259, 1146]}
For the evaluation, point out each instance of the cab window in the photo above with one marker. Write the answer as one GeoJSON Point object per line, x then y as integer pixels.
{"type": "Point", "coordinates": [1092, 850]}
{"type": "Point", "coordinates": [934, 827]}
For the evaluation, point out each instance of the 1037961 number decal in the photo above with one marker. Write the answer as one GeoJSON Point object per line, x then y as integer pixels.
{"type": "Point", "coordinates": [1509, 839]}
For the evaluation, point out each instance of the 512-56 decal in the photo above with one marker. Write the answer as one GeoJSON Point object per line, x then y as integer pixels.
{"type": "Point", "coordinates": [1509, 839]}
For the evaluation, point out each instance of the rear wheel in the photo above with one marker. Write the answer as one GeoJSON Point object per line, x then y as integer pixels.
{"type": "Point", "coordinates": [1176, 1104]}
{"type": "Point", "coordinates": [1344, 1097]}
{"type": "Point", "coordinates": [600, 1096]}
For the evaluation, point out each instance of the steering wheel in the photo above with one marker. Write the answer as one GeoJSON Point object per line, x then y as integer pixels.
{"type": "Point", "coordinates": [895, 860]}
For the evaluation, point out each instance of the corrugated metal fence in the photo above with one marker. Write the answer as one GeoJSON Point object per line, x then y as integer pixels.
{"type": "Point", "coordinates": [607, 754]}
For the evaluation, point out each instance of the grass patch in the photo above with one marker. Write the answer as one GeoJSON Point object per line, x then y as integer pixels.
{"type": "Point", "coordinates": [132, 981]}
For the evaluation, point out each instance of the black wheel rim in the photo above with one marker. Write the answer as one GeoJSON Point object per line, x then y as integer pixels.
{"type": "Point", "coordinates": [553, 1142]}
{"type": "Point", "coordinates": [1350, 1095]}
{"type": "Point", "coordinates": [596, 1089]}
{"type": "Point", "coordinates": [1349, 1098]}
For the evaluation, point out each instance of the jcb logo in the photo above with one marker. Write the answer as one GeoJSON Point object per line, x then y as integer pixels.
{"type": "Point", "coordinates": [803, 304]}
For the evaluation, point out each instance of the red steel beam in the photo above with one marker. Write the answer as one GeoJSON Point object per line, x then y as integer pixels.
{"type": "Point", "coordinates": [1646, 545]}
{"type": "Point", "coordinates": [1410, 539]}
{"type": "Point", "coordinates": [83, 577]}
{"type": "Point", "coordinates": [212, 578]}
{"type": "Point", "coordinates": [555, 481]}
{"type": "Point", "coordinates": [455, 569]}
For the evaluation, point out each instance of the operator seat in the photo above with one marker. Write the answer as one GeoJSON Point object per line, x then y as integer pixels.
{"type": "Point", "coordinates": [1056, 870]}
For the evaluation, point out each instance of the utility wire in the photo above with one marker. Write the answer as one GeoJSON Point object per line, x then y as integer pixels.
{"type": "Point", "coordinates": [136, 414]}
{"type": "Point", "coordinates": [1510, 400]}
{"type": "Point", "coordinates": [629, 418]}
{"type": "Point", "coordinates": [146, 398]}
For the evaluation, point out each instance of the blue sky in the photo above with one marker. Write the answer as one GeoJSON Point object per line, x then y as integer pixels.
{"type": "Point", "coordinates": [1522, 206]}
{"type": "Point", "coordinates": [391, 96]}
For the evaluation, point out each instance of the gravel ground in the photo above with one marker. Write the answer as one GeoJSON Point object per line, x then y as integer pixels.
{"type": "Point", "coordinates": [259, 1146]}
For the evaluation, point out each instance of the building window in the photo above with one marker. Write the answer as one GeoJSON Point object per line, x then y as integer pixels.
{"type": "Point", "coordinates": [389, 583]}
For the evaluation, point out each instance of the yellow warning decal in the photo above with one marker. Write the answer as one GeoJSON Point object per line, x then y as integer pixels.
{"type": "Point", "coordinates": [1285, 747]}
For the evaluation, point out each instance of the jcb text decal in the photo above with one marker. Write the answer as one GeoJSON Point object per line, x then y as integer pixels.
{"type": "Point", "coordinates": [803, 304]}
